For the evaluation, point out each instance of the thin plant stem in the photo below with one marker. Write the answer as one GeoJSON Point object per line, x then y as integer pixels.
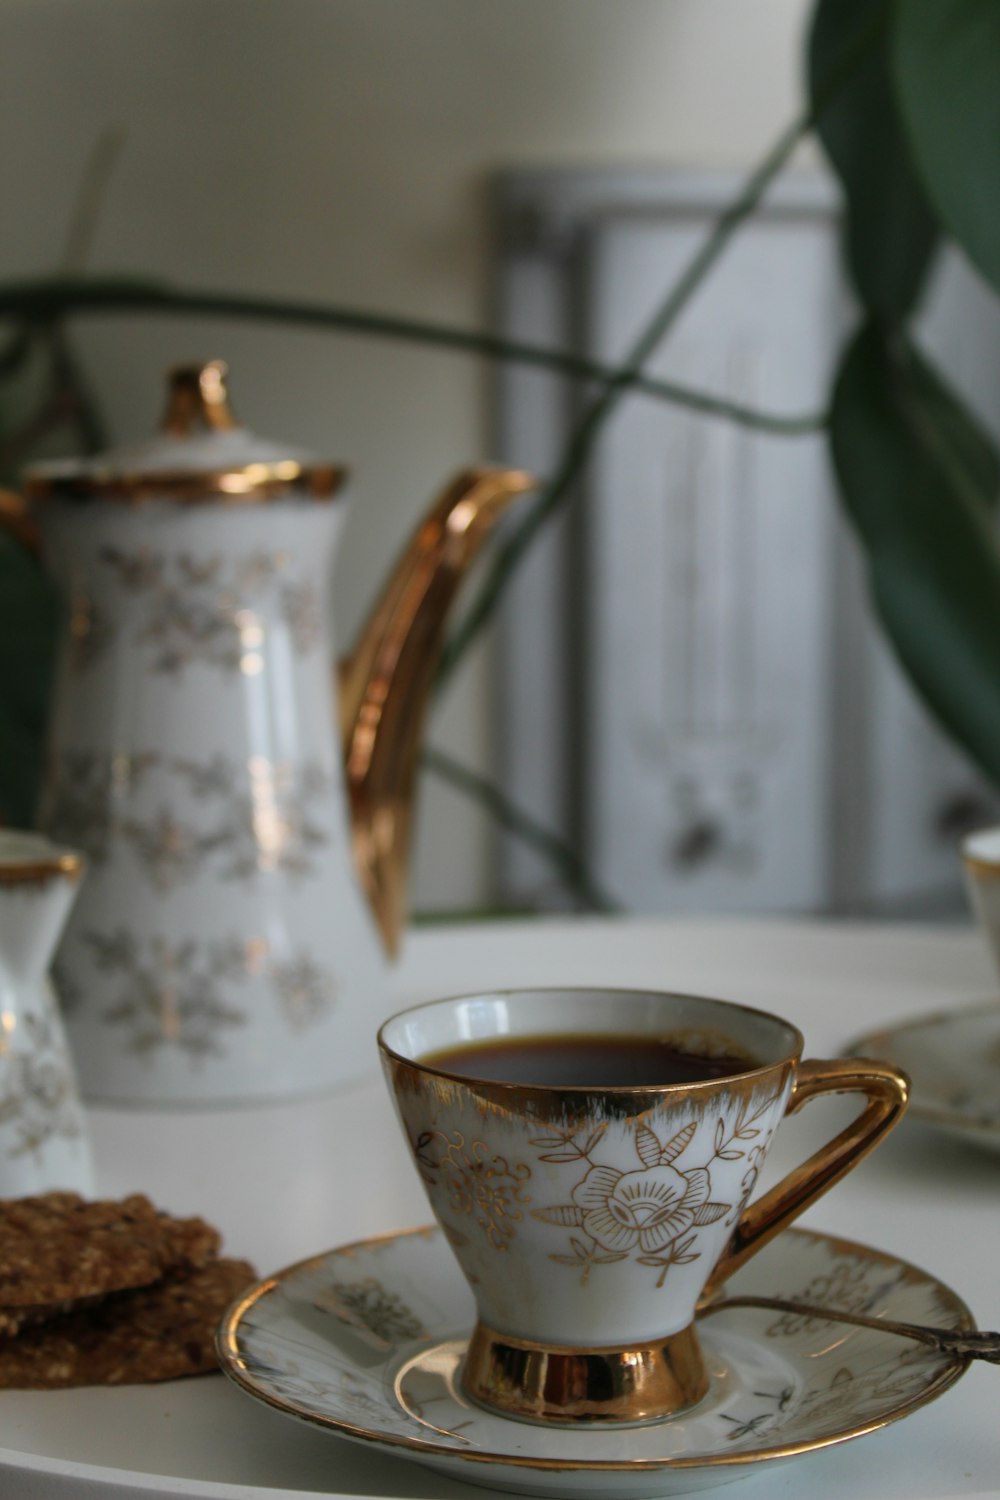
{"type": "Point", "coordinates": [86, 210]}
{"type": "Point", "coordinates": [71, 400]}
{"type": "Point", "coordinates": [565, 860]}
{"type": "Point", "coordinates": [51, 299]}
{"type": "Point", "coordinates": [70, 382]}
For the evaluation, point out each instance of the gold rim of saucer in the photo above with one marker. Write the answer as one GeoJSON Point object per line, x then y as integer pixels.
{"type": "Point", "coordinates": [228, 1350]}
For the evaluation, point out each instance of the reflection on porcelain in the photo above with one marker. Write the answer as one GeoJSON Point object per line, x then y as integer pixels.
{"type": "Point", "coordinates": [981, 862]}
{"type": "Point", "coordinates": [953, 1059]}
{"type": "Point", "coordinates": [367, 1342]}
{"type": "Point", "coordinates": [43, 1142]}
{"type": "Point", "coordinates": [198, 745]}
{"type": "Point", "coordinates": [590, 1221]}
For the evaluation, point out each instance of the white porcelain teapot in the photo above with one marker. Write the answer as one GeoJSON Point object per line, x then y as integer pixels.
{"type": "Point", "coordinates": [247, 857]}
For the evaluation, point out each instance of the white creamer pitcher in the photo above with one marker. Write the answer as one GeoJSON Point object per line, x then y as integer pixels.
{"type": "Point", "coordinates": [43, 1138]}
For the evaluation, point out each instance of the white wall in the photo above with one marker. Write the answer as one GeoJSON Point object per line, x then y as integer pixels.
{"type": "Point", "coordinates": [340, 150]}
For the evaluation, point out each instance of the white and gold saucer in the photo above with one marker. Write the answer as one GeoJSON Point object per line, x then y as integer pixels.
{"type": "Point", "coordinates": [953, 1059]}
{"type": "Point", "coordinates": [366, 1341]}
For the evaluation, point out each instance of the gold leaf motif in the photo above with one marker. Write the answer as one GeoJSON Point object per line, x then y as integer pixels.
{"type": "Point", "coordinates": [567, 1214]}
{"type": "Point", "coordinates": [647, 1146]}
{"type": "Point", "coordinates": [709, 1213]}
{"type": "Point", "coordinates": [594, 1137]}
{"type": "Point", "coordinates": [679, 1143]}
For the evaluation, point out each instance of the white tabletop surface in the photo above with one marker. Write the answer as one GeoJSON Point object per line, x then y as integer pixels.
{"type": "Point", "coordinates": [290, 1180]}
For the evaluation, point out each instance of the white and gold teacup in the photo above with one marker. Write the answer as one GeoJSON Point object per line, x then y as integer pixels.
{"type": "Point", "coordinates": [590, 1219]}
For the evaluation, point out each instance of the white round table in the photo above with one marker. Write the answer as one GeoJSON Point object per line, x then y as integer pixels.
{"type": "Point", "coordinates": [290, 1180]}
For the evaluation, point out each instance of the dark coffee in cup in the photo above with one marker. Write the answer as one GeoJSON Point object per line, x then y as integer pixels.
{"type": "Point", "coordinates": [589, 1061]}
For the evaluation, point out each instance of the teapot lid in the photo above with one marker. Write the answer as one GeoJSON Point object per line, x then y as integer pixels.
{"type": "Point", "coordinates": [201, 454]}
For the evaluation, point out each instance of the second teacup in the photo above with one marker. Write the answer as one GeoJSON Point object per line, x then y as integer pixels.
{"type": "Point", "coordinates": [590, 1155]}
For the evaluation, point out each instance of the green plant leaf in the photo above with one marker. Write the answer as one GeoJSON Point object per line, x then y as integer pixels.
{"type": "Point", "coordinates": [27, 637]}
{"type": "Point", "coordinates": [890, 232]}
{"type": "Point", "coordinates": [945, 60]}
{"type": "Point", "coordinates": [919, 480]}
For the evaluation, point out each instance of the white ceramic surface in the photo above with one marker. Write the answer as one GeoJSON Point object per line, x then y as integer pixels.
{"type": "Point", "coordinates": [953, 1059]}
{"type": "Point", "coordinates": [367, 1341]}
{"type": "Point", "coordinates": [43, 1133]}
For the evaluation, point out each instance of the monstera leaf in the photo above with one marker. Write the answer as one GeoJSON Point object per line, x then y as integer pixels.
{"type": "Point", "coordinates": [27, 636]}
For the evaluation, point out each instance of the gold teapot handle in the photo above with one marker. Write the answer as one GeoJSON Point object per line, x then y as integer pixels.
{"type": "Point", "coordinates": [886, 1091]}
{"type": "Point", "coordinates": [384, 684]}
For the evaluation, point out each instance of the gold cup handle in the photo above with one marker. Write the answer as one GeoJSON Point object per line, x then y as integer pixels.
{"type": "Point", "coordinates": [886, 1091]}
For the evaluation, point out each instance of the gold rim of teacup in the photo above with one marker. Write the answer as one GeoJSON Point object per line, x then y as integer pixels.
{"type": "Point", "coordinates": [627, 1090]}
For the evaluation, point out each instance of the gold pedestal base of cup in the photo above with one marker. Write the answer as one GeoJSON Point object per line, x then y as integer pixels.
{"type": "Point", "coordinates": [559, 1385]}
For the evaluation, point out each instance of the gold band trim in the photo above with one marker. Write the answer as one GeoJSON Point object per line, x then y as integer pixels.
{"type": "Point", "coordinates": [38, 871]}
{"type": "Point", "coordinates": [982, 869]}
{"type": "Point", "coordinates": [197, 401]}
{"type": "Point", "coordinates": [252, 484]}
{"type": "Point", "coordinates": [559, 1385]}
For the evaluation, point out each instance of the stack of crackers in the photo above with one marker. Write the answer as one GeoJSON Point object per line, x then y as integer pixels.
{"type": "Point", "coordinates": [108, 1293]}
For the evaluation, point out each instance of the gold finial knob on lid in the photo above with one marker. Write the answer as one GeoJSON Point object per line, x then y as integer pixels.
{"type": "Point", "coordinates": [197, 397]}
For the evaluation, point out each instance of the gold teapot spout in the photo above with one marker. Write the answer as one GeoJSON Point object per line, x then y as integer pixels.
{"type": "Point", "coordinates": [385, 683]}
